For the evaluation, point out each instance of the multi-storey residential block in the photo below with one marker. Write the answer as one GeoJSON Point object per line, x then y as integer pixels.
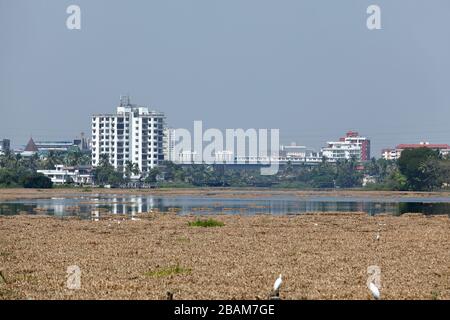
{"type": "Point", "coordinates": [133, 134]}
{"type": "Point", "coordinates": [351, 146]}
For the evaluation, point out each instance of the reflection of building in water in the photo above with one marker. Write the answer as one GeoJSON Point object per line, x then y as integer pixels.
{"type": "Point", "coordinates": [55, 209]}
{"type": "Point", "coordinates": [95, 215]}
{"type": "Point", "coordinates": [131, 205]}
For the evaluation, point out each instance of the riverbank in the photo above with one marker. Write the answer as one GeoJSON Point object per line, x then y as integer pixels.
{"type": "Point", "coordinates": [321, 256]}
{"type": "Point", "coordinates": [11, 194]}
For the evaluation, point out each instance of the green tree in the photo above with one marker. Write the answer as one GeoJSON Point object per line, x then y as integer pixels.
{"type": "Point", "coordinates": [347, 175]}
{"type": "Point", "coordinates": [105, 174]}
{"type": "Point", "coordinates": [36, 180]}
{"type": "Point", "coordinates": [418, 166]}
{"type": "Point", "coordinates": [152, 175]}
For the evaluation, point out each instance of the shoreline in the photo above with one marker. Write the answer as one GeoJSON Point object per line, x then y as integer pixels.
{"type": "Point", "coordinates": [321, 256]}
{"type": "Point", "coordinates": [12, 194]}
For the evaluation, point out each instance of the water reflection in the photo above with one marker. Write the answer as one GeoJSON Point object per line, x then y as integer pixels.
{"type": "Point", "coordinates": [93, 207]}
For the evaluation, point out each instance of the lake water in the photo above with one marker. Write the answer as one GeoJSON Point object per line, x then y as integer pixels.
{"type": "Point", "coordinates": [88, 206]}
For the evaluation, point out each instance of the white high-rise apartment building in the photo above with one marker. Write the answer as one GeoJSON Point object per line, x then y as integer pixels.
{"type": "Point", "coordinates": [133, 134]}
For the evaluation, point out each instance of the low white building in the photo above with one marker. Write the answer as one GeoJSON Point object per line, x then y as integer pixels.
{"type": "Point", "coordinates": [293, 151]}
{"type": "Point", "coordinates": [61, 174]}
{"type": "Point", "coordinates": [394, 154]}
{"type": "Point", "coordinates": [390, 154]}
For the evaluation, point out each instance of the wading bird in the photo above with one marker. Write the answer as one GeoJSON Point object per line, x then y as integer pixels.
{"type": "Point", "coordinates": [374, 290]}
{"type": "Point", "coordinates": [275, 295]}
{"type": "Point", "coordinates": [277, 284]}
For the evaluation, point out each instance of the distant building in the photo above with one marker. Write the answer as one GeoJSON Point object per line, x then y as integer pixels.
{"type": "Point", "coordinates": [368, 180]}
{"type": "Point", "coordinates": [187, 157]}
{"type": "Point", "coordinates": [293, 151]}
{"type": "Point", "coordinates": [351, 146]}
{"type": "Point", "coordinates": [30, 149]}
{"type": "Point", "coordinates": [5, 145]}
{"type": "Point", "coordinates": [224, 156]}
{"type": "Point", "coordinates": [84, 143]}
{"type": "Point", "coordinates": [169, 145]}
{"type": "Point", "coordinates": [57, 146]}
{"type": "Point", "coordinates": [394, 154]}
{"type": "Point", "coordinates": [390, 154]}
{"type": "Point", "coordinates": [133, 134]}
{"type": "Point", "coordinates": [80, 175]}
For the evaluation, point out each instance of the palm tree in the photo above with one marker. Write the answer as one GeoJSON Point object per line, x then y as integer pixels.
{"type": "Point", "coordinates": [131, 168]}
{"type": "Point", "coordinates": [52, 160]}
{"type": "Point", "coordinates": [33, 162]}
{"type": "Point", "coordinates": [104, 160]}
{"type": "Point", "coordinates": [73, 158]}
{"type": "Point", "coordinates": [17, 161]}
{"type": "Point", "coordinates": [136, 170]}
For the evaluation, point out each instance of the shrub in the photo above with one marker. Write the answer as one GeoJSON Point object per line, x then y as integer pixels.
{"type": "Point", "coordinates": [168, 271]}
{"type": "Point", "coordinates": [206, 223]}
{"type": "Point", "coordinates": [36, 181]}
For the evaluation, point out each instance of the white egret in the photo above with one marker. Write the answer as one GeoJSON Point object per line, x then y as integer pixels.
{"type": "Point", "coordinates": [374, 290]}
{"type": "Point", "coordinates": [277, 285]}
{"type": "Point", "coordinates": [378, 236]}
{"type": "Point", "coordinates": [275, 294]}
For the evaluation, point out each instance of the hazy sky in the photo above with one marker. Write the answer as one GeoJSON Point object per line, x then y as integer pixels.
{"type": "Point", "coordinates": [310, 68]}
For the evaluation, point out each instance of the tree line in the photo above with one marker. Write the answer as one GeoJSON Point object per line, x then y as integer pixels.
{"type": "Point", "coordinates": [18, 171]}
{"type": "Point", "coordinates": [419, 169]}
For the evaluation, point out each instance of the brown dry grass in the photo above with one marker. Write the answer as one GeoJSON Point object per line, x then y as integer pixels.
{"type": "Point", "coordinates": [322, 256]}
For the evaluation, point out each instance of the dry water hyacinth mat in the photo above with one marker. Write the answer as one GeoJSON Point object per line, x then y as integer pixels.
{"type": "Point", "coordinates": [322, 256]}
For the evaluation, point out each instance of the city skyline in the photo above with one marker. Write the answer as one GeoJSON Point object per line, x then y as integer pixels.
{"type": "Point", "coordinates": [383, 153]}
{"type": "Point", "coordinates": [310, 68]}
